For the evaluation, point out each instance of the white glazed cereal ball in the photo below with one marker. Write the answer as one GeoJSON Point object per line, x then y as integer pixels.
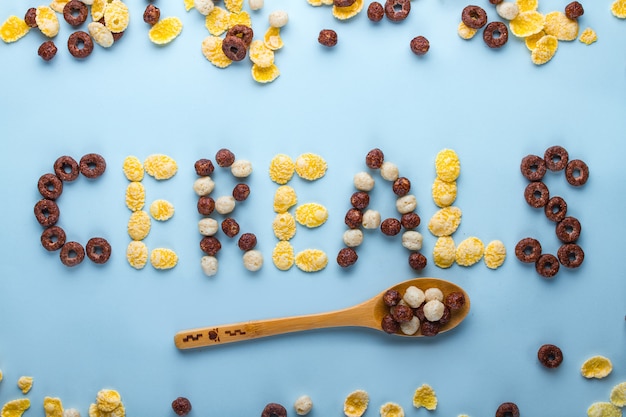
{"type": "Point", "coordinates": [255, 4]}
{"type": "Point", "coordinates": [209, 265]}
{"type": "Point", "coordinates": [433, 310]}
{"type": "Point", "coordinates": [303, 405]}
{"type": "Point", "coordinates": [207, 226]}
{"type": "Point", "coordinates": [71, 412]}
{"type": "Point", "coordinates": [278, 18]}
{"type": "Point", "coordinates": [410, 327]}
{"type": "Point", "coordinates": [406, 204]}
{"type": "Point", "coordinates": [204, 6]}
{"type": "Point", "coordinates": [253, 260]}
{"type": "Point", "coordinates": [414, 297]}
{"type": "Point", "coordinates": [507, 10]}
{"type": "Point", "coordinates": [352, 237]}
{"type": "Point", "coordinates": [389, 171]}
{"type": "Point", "coordinates": [241, 168]}
{"type": "Point", "coordinates": [433, 294]}
{"type": "Point", "coordinates": [371, 219]}
{"type": "Point", "coordinates": [412, 240]}
{"type": "Point", "coordinates": [225, 204]}
{"type": "Point", "coordinates": [203, 186]}
{"type": "Point", "coordinates": [363, 181]}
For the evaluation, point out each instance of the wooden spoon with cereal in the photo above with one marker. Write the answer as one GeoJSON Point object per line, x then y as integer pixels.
{"type": "Point", "coordinates": [415, 308]}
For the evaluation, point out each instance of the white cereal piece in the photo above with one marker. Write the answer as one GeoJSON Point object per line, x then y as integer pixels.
{"type": "Point", "coordinates": [414, 297]}
{"type": "Point", "coordinates": [507, 10]}
{"type": "Point", "coordinates": [278, 18]}
{"type": "Point", "coordinates": [371, 219]}
{"type": "Point", "coordinates": [253, 260]}
{"type": "Point", "coordinates": [352, 238]}
{"type": "Point", "coordinates": [207, 226]}
{"type": "Point", "coordinates": [204, 6]}
{"type": "Point", "coordinates": [100, 34]}
{"type": "Point", "coordinates": [303, 405]}
{"type": "Point", "coordinates": [209, 265]}
{"type": "Point", "coordinates": [71, 412]}
{"type": "Point", "coordinates": [410, 327]}
{"type": "Point", "coordinates": [225, 204]}
{"type": "Point", "coordinates": [389, 171]}
{"type": "Point", "coordinates": [412, 240]}
{"type": "Point", "coordinates": [433, 310]}
{"type": "Point", "coordinates": [255, 4]}
{"type": "Point", "coordinates": [241, 168]}
{"type": "Point", "coordinates": [87, 2]}
{"type": "Point", "coordinates": [363, 181]}
{"type": "Point", "coordinates": [433, 294]}
{"type": "Point", "coordinates": [406, 204]}
{"type": "Point", "coordinates": [203, 186]}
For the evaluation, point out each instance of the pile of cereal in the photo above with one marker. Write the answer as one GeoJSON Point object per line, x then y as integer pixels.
{"type": "Point", "coordinates": [537, 195]}
{"type": "Point", "coordinates": [357, 402]}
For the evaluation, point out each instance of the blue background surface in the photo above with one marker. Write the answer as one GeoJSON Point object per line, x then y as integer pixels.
{"type": "Point", "coordinates": [79, 330]}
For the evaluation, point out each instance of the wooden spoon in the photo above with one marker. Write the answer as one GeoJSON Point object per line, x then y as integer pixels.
{"type": "Point", "coordinates": [366, 314]}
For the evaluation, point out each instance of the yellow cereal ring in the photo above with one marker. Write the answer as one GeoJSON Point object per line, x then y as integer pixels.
{"type": "Point", "coordinates": [310, 166]}
{"type": "Point", "coordinates": [189, 4]}
{"type": "Point", "coordinates": [97, 9]}
{"type": "Point", "coordinates": [233, 6]}
{"type": "Point", "coordinates": [161, 167]}
{"type": "Point", "coordinates": [47, 21]}
{"type": "Point", "coordinates": [391, 410]}
{"type": "Point", "coordinates": [137, 254]}
{"type": "Point", "coordinates": [356, 403]}
{"type": "Point", "coordinates": [101, 34]}
{"type": "Point", "coordinates": [444, 252]}
{"type": "Point", "coordinates": [527, 5]}
{"type": "Point", "coordinates": [138, 225]}
{"type": "Point", "coordinates": [13, 29]}
{"type": "Point", "coordinates": [345, 13]}
{"type": "Point", "coordinates": [283, 256]}
{"type": "Point", "coordinates": [447, 165]}
{"type": "Point", "coordinates": [165, 30]}
{"type": "Point", "coordinates": [444, 192]}
{"type": "Point", "coordinates": [108, 400]}
{"type": "Point", "coordinates": [15, 408]}
{"type": "Point", "coordinates": [58, 5]}
{"type": "Point", "coordinates": [133, 168]}
{"type": "Point", "coordinates": [531, 41]}
{"type": "Point", "coordinates": [217, 22]}
{"type": "Point", "coordinates": [469, 251]}
{"type": "Point", "coordinates": [311, 215]}
{"type": "Point", "coordinates": [212, 51]}
{"type": "Point", "coordinates": [588, 36]}
{"type": "Point", "coordinates": [284, 198]}
{"type": "Point", "coordinates": [596, 367]}
{"type": "Point", "coordinates": [264, 74]}
{"type": "Point", "coordinates": [116, 16]}
{"type": "Point", "coordinates": [527, 23]}
{"type": "Point", "coordinates": [272, 38]}
{"type": "Point", "coordinates": [284, 226]}
{"type": "Point", "coordinates": [544, 50]}
{"type": "Point", "coordinates": [135, 196]}
{"type": "Point", "coordinates": [618, 395]}
{"type": "Point", "coordinates": [495, 254]}
{"type": "Point", "coordinates": [445, 221]}
{"type": "Point", "coordinates": [425, 397]}
{"type": "Point", "coordinates": [466, 32]}
{"type": "Point", "coordinates": [242, 18]}
{"type": "Point", "coordinates": [559, 26]}
{"type": "Point", "coordinates": [163, 258]}
{"type": "Point", "coordinates": [603, 409]}
{"type": "Point", "coordinates": [311, 260]}
{"type": "Point", "coordinates": [263, 57]}
{"type": "Point", "coordinates": [618, 8]}
{"type": "Point", "coordinates": [161, 210]}
{"type": "Point", "coordinates": [53, 407]}
{"type": "Point", "coordinates": [282, 166]}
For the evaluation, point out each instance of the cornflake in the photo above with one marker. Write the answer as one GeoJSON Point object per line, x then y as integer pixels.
{"type": "Point", "coordinates": [596, 367]}
{"type": "Point", "coordinates": [588, 36]}
{"type": "Point", "coordinates": [527, 23]}
{"type": "Point", "coordinates": [345, 13]}
{"type": "Point", "coordinates": [560, 26]}
{"type": "Point", "coordinates": [138, 225]}
{"type": "Point", "coordinates": [263, 57]}
{"type": "Point", "coordinates": [97, 9]}
{"type": "Point", "coordinates": [447, 165]}
{"type": "Point", "coordinates": [444, 192]}
{"type": "Point", "coordinates": [469, 251]}
{"type": "Point", "coordinates": [165, 30]}
{"type": "Point", "coordinates": [217, 21]}
{"type": "Point", "coordinates": [241, 18]}
{"type": "Point", "coordinates": [161, 167]}
{"type": "Point", "coordinates": [425, 397]}
{"type": "Point", "coordinates": [133, 168]}
{"type": "Point", "coordinates": [272, 39]}
{"type": "Point", "coordinates": [94, 411]}
{"type": "Point", "coordinates": [444, 252]}
{"type": "Point", "coordinates": [618, 8]}
{"type": "Point", "coordinates": [466, 32]}
{"type": "Point", "coordinates": [284, 226]}
{"type": "Point", "coordinates": [311, 215]}
{"type": "Point", "coordinates": [135, 196]}
{"type": "Point", "coordinates": [188, 4]}
{"type": "Point", "coordinates": [15, 408]}
{"type": "Point", "coordinates": [47, 21]}
{"type": "Point", "coordinates": [233, 6]}
{"type": "Point", "coordinates": [544, 50]}
{"type": "Point", "coordinates": [13, 29]}
{"type": "Point", "coordinates": [137, 254]}
{"type": "Point", "coordinates": [618, 395]}
{"type": "Point", "coordinates": [212, 51]}
{"type": "Point", "coordinates": [603, 409]}
{"type": "Point", "coordinates": [58, 5]}
{"type": "Point", "coordinates": [495, 254]}
{"type": "Point", "coordinates": [163, 258]}
{"type": "Point", "coordinates": [282, 166]}
{"type": "Point", "coordinates": [101, 35]}
{"type": "Point", "coordinates": [161, 210]}
{"type": "Point", "coordinates": [283, 256]}
{"type": "Point", "coordinates": [25, 383]}
{"type": "Point", "coordinates": [527, 5]}
{"type": "Point", "coordinates": [53, 407]}
{"type": "Point", "coordinates": [391, 410]}
{"type": "Point", "coordinates": [116, 16]}
{"type": "Point", "coordinates": [531, 41]}
{"type": "Point", "coordinates": [108, 400]}
{"type": "Point", "coordinates": [311, 260]}
{"type": "Point", "coordinates": [284, 198]}
{"type": "Point", "coordinates": [445, 221]}
{"type": "Point", "coordinates": [356, 403]}
{"type": "Point", "coordinates": [310, 166]}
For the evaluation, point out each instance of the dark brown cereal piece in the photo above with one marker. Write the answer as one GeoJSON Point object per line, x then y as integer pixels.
{"type": "Point", "coordinates": [494, 2]}
{"type": "Point", "coordinates": [495, 35]}
{"type": "Point", "coordinates": [419, 45]}
{"type": "Point", "coordinates": [389, 324]}
{"type": "Point", "coordinates": [353, 218]}
{"type": "Point", "coordinates": [347, 257]}
{"type": "Point", "coordinates": [528, 250]}
{"type": "Point", "coordinates": [430, 328]}
{"type": "Point", "coordinates": [343, 3]}
{"type": "Point", "coordinates": [375, 11]}
{"type": "Point", "coordinates": [80, 44]}
{"type": "Point", "coordinates": [75, 12]}
{"type": "Point", "coordinates": [247, 241]}
{"type": "Point", "coordinates": [570, 255]}
{"type": "Point", "coordinates": [401, 186]}
{"type": "Point", "coordinates": [204, 167]}
{"type": "Point", "coordinates": [391, 226]}
{"type": "Point", "coordinates": [474, 17]}
{"type": "Point", "coordinates": [417, 261]}
{"type": "Point", "coordinates": [410, 220]}
{"type": "Point", "coordinates": [205, 205]}
{"type": "Point", "coordinates": [555, 209]}
{"type": "Point", "coordinates": [397, 10]}
{"type": "Point", "coordinates": [241, 192]}
{"type": "Point", "coordinates": [234, 48]}
{"type": "Point", "coordinates": [53, 238]}
{"type": "Point", "coordinates": [210, 245]}
{"type": "Point", "coordinates": [47, 50]}
{"type": "Point", "coordinates": [92, 165]}
{"type": "Point", "coordinates": [72, 253]}
{"type": "Point", "coordinates": [98, 250]}
{"type": "Point", "coordinates": [181, 406]}
{"type": "Point", "coordinates": [533, 167]}
{"type": "Point", "coordinates": [550, 356]}
{"type": "Point", "coordinates": [556, 158]}
{"type": "Point", "coordinates": [402, 313]}
{"type": "Point", "coordinates": [455, 300]}
{"type": "Point", "coordinates": [151, 14]}
{"type": "Point", "coordinates": [568, 230]}
{"type": "Point", "coordinates": [374, 158]}
{"type": "Point", "coordinates": [66, 168]}
{"type": "Point", "coordinates": [445, 318]}
{"type": "Point", "coordinates": [274, 410]}
{"type": "Point", "coordinates": [391, 298]}
{"type": "Point", "coordinates": [507, 410]}
{"type": "Point", "coordinates": [47, 212]}
{"type": "Point", "coordinates": [327, 37]}
{"type": "Point", "coordinates": [360, 200]}
{"type": "Point", "coordinates": [224, 158]}
{"type": "Point", "coordinates": [419, 312]}
{"type": "Point", "coordinates": [547, 265]}
{"type": "Point", "coordinates": [243, 32]}
{"type": "Point", "coordinates": [30, 17]}
{"type": "Point", "coordinates": [537, 194]}
{"type": "Point", "coordinates": [230, 227]}
{"type": "Point", "coordinates": [50, 186]}
{"type": "Point", "coordinates": [576, 172]}
{"type": "Point", "coordinates": [574, 10]}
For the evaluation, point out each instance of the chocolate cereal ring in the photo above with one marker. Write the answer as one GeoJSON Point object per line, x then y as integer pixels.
{"type": "Point", "coordinates": [66, 168]}
{"type": "Point", "coordinates": [507, 410]}
{"type": "Point", "coordinates": [274, 410]}
{"type": "Point", "coordinates": [397, 10]}
{"type": "Point", "coordinates": [243, 32]}
{"type": "Point", "coordinates": [556, 158]}
{"type": "Point", "coordinates": [474, 17]}
{"type": "Point", "coordinates": [75, 12]}
{"type": "Point", "coordinates": [537, 194]}
{"type": "Point", "coordinates": [92, 165]}
{"type": "Point", "coordinates": [495, 35]}
{"type": "Point", "coordinates": [555, 209]}
{"type": "Point", "coordinates": [568, 230]}
{"type": "Point", "coordinates": [72, 253]}
{"type": "Point", "coordinates": [98, 250]}
{"type": "Point", "coordinates": [576, 172]}
{"type": "Point", "coordinates": [533, 167]}
{"type": "Point", "coordinates": [547, 265]}
{"type": "Point", "coordinates": [528, 250]}
{"type": "Point", "coordinates": [234, 48]}
{"type": "Point", "coordinates": [80, 44]}
{"type": "Point", "coordinates": [50, 186]}
{"type": "Point", "coordinates": [53, 238]}
{"type": "Point", "coordinates": [47, 212]}
{"type": "Point", "coordinates": [550, 356]}
{"type": "Point", "coordinates": [570, 255]}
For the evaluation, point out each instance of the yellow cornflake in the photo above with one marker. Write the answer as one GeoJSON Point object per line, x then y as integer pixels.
{"type": "Point", "coordinates": [311, 260]}
{"type": "Point", "coordinates": [345, 13]}
{"type": "Point", "coordinates": [1, 376]}
{"type": "Point", "coordinates": [495, 254]}
{"type": "Point", "coordinates": [596, 367]}
{"type": "Point", "coordinates": [135, 196]}
{"type": "Point", "coordinates": [603, 409]}
{"type": "Point", "coordinates": [315, 2]}
{"type": "Point", "coordinates": [212, 51]}
{"type": "Point", "coordinates": [618, 395]}
{"type": "Point", "coordinates": [25, 383]}
{"type": "Point", "coordinates": [283, 256]}
{"type": "Point", "coordinates": [116, 16]}
{"type": "Point", "coordinates": [425, 397]}
{"type": "Point", "coordinates": [133, 168]}
{"type": "Point", "coordinates": [284, 226]}
{"type": "Point", "coordinates": [284, 198]}
{"type": "Point", "coordinates": [588, 36]}
{"type": "Point", "coordinates": [618, 8]}
{"type": "Point", "coordinates": [264, 74]}
{"type": "Point", "coordinates": [165, 30]}
{"type": "Point", "coordinates": [447, 165]}
{"type": "Point", "coordinates": [391, 410]}
{"type": "Point", "coordinates": [189, 4]}
{"type": "Point", "coordinates": [444, 192]}
{"type": "Point", "coordinates": [527, 23]}
{"type": "Point", "coordinates": [161, 210]}
{"type": "Point", "coordinates": [263, 57]}
{"type": "Point", "coordinates": [15, 408]}
{"type": "Point", "coordinates": [47, 21]}
{"type": "Point", "coordinates": [58, 5]}
{"type": "Point", "coordinates": [281, 166]}
{"type": "Point", "coordinates": [97, 9]}
{"type": "Point", "coordinates": [163, 258]}
{"type": "Point", "coordinates": [13, 28]}
{"type": "Point", "coordinates": [138, 225]}
{"type": "Point", "coordinates": [560, 26]}
{"type": "Point", "coordinates": [527, 5]}
{"type": "Point", "coordinates": [94, 411]}
{"type": "Point", "coordinates": [241, 18]}
{"type": "Point", "coordinates": [311, 166]}
{"type": "Point", "coordinates": [272, 38]}
{"type": "Point", "coordinates": [53, 407]}
{"type": "Point", "coordinates": [469, 251]}
{"type": "Point", "coordinates": [445, 221]}
{"type": "Point", "coordinates": [356, 403]}
{"type": "Point", "coordinates": [217, 22]}
{"type": "Point", "coordinates": [544, 50]}
{"type": "Point", "coordinates": [311, 214]}
{"type": "Point", "coordinates": [233, 6]}
{"type": "Point", "coordinates": [108, 400]}
{"type": "Point", "coordinates": [137, 254]}
{"type": "Point", "coordinates": [465, 31]}
{"type": "Point", "coordinates": [101, 34]}
{"type": "Point", "coordinates": [531, 41]}
{"type": "Point", "coordinates": [444, 252]}
{"type": "Point", "coordinates": [159, 166]}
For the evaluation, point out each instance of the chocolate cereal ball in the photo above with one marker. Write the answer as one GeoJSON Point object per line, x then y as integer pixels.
{"type": "Point", "coordinates": [346, 257]}
{"type": "Point", "coordinates": [241, 192]}
{"type": "Point", "coordinates": [47, 50]}
{"type": "Point", "coordinates": [375, 11]}
{"type": "Point", "coordinates": [419, 45]}
{"type": "Point", "coordinates": [224, 158]}
{"type": "Point", "coordinates": [247, 241]}
{"type": "Point", "coordinates": [417, 261]}
{"type": "Point", "coordinates": [204, 167]}
{"type": "Point", "coordinates": [327, 37]}
{"type": "Point", "coordinates": [181, 406]}
{"type": "Point", "coordinates": [151, 15]}
{"type": "Point", "coordinates": [374, 159]}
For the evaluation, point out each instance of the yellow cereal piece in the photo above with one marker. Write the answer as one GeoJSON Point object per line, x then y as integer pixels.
{"type": "Point", "coordinates": [159, 166]}
{"type": "Point", "coordinates": [241, 18]}
{"type": "Point", "coordinates": [311, 214]}
{"type": "Point", "coordinates": [135, 196]}
{"type": "Point", "coordinates": [445, 221]}
{"type": "Point", "coordinates": [527, 23]}
{"type": "Point", "coordinates": [163, 258]}
{"type": "Point", "coordinates": [444, 192]}
{"type": "Point", "coordinates": [94, 411]}
{"type": "Point", "coordinates": [603, 409]}
{"type": "Point", "coordinates": [596, 367]}
{"type": "Point", "coordinates": [618, 8]}
{"type": "Point", "coordinates": [13, 29]}
{"type": "Point", "coordinates": [1, 375]}
{"type": "Point", "coordinates": [116, 16]}
{"type": "Point", "coordinates": [161, 210]}
{"type": "Point", "coordinates": [465, 32]}
{"type": "Point", "coordinates": [618, 395]}
{"type": "Point", "coordinates": [356, 403]}
{"type": "Point", "coordinates": [58, 5]}
{"type": "Point", "coordinates": [282, 166]}
{"type": "Point", "coordinates": [284, 198]}
{"type": "Point", "coordinates": [345, 13]}
{"type": "Point", "coordinates": [139, 225]}
{"type": "Point", "coordinates": [544, 50]}
{"type": "Point", "coordinates": [53, 407]}
{"type": "Point", "coordinates": [212, 51]}
{"type": "Point", "coordinates": [311, 260]}
{"type": "Point", "coordinates": [263, 57]}
{"type": "Point", "coordinates": [391, 410]}
{"type": "Point", "coordinates": [425, 397]}
{"type": "Point", "coordinates": [25, 383]}
{"type": "Point", "coordinates": [588, 36]}
{"type": "Point", "coordinates": [284, 226]}
{"type": "Point", "coordinates": [531, 41]}
{"type": "Point", "coordinates": [328, 2]}
{"type": "Point", "coordinates": [97, 9]}
{"type": "Point", "coordinates": [189, 4]}
{"type": "Point", "coordinates": [101, 34]}
{"type": "Point", "coordinates": [469, 251]}
{"type": "Point", "coordinates": [137, 254]}
{"type": "Point", "coordinates": [108, 400]}
{"type": "Point", "coordinates": [311, 166]}
{"type": "Point", "coordinates": [265, 74]}
{"type": "Point", "coordinates": [447, 165]}
{"type": "Point", "coordinates": [444, 252]}
{"type": "Point", "coordinates": [133, 168]}
{"type": "Point", "coordinates": [15, 408]}
{"type": "Point", "coordinates": [315, 3]}
{"type": "Point", "coordinates": [527, 5]}
{"type": "Point", "coordinates": [217, 22]}
{"type": "Point", "coordinates": [233, 6]}
{"type": "Point", "coordinates": [495, 254]}
{"type": "Point", "coordinates": [47, 21]}
{"type": "Point", "coordinates": [559, 26]}
{"type": "Point", "coordinates": [165, 30]}
{"type": "Point", "coordinates": [272, 38]}
{"type": "Point", "coordinates": [283, 255]}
